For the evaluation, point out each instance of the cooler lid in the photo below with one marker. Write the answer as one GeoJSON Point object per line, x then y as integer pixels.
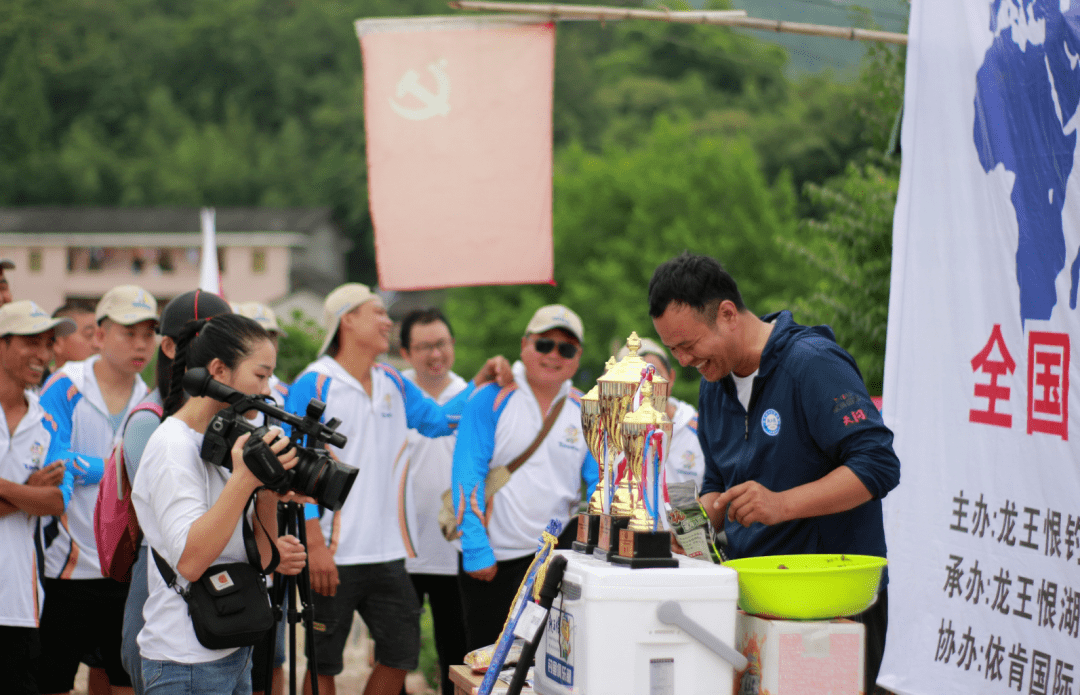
{"type": "Point", "coordinates": [588, 571]}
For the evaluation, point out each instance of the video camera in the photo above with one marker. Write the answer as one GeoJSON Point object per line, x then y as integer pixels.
{"type": "Point", "coordinates": [315, 474]}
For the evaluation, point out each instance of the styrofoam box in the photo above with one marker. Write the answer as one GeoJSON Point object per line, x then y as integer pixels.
{"type": "Point", "coordinates": [603, 636]}
{"type": "Point", "coordinates": [800, 657]}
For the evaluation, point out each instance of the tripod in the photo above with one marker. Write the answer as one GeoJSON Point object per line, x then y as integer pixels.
{"type": "Point", "coordinates": [291, 519]}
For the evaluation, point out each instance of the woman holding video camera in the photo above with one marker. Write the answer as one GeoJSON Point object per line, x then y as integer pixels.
{"type": "Point", "coordinates": [191, 511]}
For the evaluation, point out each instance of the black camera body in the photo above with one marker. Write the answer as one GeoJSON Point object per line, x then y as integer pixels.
{"type": "Point", "coordinates": [316, 474]}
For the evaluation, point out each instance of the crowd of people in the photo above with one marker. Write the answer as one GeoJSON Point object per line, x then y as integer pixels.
{"type": "Point", "coordinates": [503, 451]}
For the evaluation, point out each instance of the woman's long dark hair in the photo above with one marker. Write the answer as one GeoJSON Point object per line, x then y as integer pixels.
{"type": "Point", "coordinates": [228, 337]}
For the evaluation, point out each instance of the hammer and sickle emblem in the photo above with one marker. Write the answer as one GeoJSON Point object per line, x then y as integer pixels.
{"type": "Point", "coordinates": [437, 104]}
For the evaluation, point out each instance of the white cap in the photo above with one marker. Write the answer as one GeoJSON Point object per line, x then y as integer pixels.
{"type": "Point", "coordinates": [127, 305]}
{"type": "Point", "coordinates": [26, 318]}
{"type": "Point", "coordinates": [260, 313]}
{"type": "Point", "coordinates": [556, 316]}
{"type": "Point", "coordinates": [340, 302]}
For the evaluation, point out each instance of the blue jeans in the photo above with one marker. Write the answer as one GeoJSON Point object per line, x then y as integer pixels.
{"type": "Point", "coordinates": [231, 674]}
{"type": "Point", "coordinates": [133, 621]}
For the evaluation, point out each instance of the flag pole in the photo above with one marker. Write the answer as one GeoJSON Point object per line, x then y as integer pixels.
{"type": "Point", "coordinates": [209, 275]}
{"type": "Point", "coordinates": [731, 18]}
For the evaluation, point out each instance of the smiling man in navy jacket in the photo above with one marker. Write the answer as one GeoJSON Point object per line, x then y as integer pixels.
{"type": "Point", "coordinates": [796, 455]}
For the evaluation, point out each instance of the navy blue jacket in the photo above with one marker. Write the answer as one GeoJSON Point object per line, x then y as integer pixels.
{"type": "Point", "coordinates": [809, 414]}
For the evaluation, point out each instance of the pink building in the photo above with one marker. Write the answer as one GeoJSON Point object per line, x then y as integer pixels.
{"type": "Point", "coordinates": [264, 254]}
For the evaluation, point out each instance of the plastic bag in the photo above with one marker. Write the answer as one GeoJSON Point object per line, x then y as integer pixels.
{"type": "Point", "coordinates": [690, 523]}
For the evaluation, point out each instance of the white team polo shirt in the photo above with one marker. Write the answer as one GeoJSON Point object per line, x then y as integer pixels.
{"type": "Point", "coordinates": [684, 458]}
{"type": "Point", "coordinates": [423, 475]}
{"type": "Point", "coordinates": [72, 399]}
{"type": "Point", "coordinates": [21, 592]}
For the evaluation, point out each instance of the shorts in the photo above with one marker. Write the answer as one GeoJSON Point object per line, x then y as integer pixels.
{"type": "Point", "coordinates": [18, 645]}
{"type": "Point", "coordinates": [383, 596]}
{"type": "Point", "coordinates": [80, 617]}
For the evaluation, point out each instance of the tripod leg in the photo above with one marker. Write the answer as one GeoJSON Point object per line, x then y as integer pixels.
{"type": "Point", "coordinates": [302, 583]}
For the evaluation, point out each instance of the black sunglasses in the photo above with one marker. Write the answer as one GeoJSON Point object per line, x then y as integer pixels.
{"type": "Point", "coordinates": [546, 345]}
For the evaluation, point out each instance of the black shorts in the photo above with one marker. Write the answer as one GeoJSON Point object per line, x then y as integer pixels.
{"type": "Point", "coordinates": [18, 645]}
{"type": "Point", "coordinates": [81, 618]}
{"type": "Point", "coordinates": [383, 596]}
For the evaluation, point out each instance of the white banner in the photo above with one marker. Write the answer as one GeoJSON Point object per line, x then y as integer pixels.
{"type": "Point", "coordinates": [984, 529]}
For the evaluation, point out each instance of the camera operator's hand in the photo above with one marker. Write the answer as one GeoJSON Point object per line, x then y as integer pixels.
{"type": "Point", "coordinates": [293, 555]}
{"type": "Point", "coordinates": [287, 459]}
{"type": "Point", "coordinates": [321, 565]}
{"type": "Point", "coordinates": [496, 369]}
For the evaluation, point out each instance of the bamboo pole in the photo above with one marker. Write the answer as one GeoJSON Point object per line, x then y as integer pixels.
{"type": "Point", "coordinates": [733, 18]}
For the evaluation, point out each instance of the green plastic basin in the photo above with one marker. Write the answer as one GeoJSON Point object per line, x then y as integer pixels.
{"type": "Point", "coordinates": [807, 587]}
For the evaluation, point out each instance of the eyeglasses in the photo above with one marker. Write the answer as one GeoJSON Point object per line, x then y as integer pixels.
{"type": "Point", "coordinates": [424, 348]}
{"type": "Point", "coordinates": [546, 345]}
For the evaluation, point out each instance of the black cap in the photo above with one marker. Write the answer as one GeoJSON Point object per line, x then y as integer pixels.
{"type": "Point", "coordinates": [190, 306]}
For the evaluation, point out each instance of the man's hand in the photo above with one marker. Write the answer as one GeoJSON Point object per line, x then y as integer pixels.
{"type": "Point", "coordinates": [747, 503]}
{"type": "Point", "coordinates": [486, 574]}
{"type": "Point", "coordinates": [496, 369]}
{"type": "Point", "coordinates": [323, 571]}
{"type": "Point", "coordinates": [293, 555]}
{"type": "Point", "coordinates": [49, 476]}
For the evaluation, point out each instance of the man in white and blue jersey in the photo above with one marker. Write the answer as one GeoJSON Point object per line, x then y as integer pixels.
{"type": "Point", "coordinates": [499, 537]}
{"type": "Point", "coordinates": [29, 485]}
{"type": "Point", "coordinates": [89, 401]}
{"type": "Point", "coordinates": [356, 556]}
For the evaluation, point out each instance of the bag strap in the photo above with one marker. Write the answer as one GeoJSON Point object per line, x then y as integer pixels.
{"type": "Point", "coordinates": [250, 547]}
{"type": "Point", "coordinates": [549, 422]}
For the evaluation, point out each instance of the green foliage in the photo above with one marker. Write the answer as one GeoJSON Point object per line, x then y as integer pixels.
{"type": "Point", "coordinates": [848, 239]}
{"type": "Point", "coordinates": [617, 216]}
{"type": "Point", "coordinates": [429, 657]}
{"type": "Point", "coordinates": [852, 250]}
{"type": "Point", "coordinates": [297, 349]}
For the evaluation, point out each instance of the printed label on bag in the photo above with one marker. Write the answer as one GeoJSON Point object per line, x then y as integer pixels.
{"type": "Point", "coordinates": [221, 581]}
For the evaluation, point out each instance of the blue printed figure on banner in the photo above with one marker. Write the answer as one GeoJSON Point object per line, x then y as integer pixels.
{"type": "Point", "coordinates": [1026, 97]}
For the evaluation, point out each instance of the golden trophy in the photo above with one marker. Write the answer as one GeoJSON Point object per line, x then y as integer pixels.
{"type": "Point", "coordinates": [645, 542]}
{"type": "Point", "coordinates": [617, 388]}
{"type": "Point", "coordinates": [588, 530]}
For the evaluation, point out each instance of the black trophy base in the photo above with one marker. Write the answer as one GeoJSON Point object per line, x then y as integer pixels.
{"type": "Point", "coordinates": [607, 545]}
{"type": "Point", "coordinates": [642, 549]}
{"type": "Point", "coordinates": [588, 533]}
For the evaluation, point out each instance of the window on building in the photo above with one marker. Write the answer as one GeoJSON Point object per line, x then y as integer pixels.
{"type": "Point", "coordinates": [258, 261]}
{"type": "Point", "coordinates": [34, 262]}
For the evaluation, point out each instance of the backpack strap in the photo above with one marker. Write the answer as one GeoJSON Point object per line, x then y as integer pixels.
{"type": "Point", "coordinates": [553, 414]}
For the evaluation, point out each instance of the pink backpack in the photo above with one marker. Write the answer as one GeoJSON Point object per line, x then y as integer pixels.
{"type": "Point", "coordinates": [116, 528]}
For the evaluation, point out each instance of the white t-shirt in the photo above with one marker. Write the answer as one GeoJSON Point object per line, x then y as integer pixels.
{"type": "Point", "coordinates": [21, 592]}
{"type": "Point", "coordinates": [173, 489]}
{"type": "Point", "coordinates": [424, 474]}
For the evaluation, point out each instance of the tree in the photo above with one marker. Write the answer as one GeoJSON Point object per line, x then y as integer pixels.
{"type": "Point", "coordinates": [618, 215]}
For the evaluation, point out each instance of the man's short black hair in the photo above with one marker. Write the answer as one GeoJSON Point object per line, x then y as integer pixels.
{"type": "Point", "coordinates": [422, 317]}
{"type": "Point", "coordinates": [698, 281]}
{"type": "Point", "coordinates": [72, 308]}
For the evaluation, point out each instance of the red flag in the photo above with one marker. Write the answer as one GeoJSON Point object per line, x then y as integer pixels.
{"type": "Point", "coordinates": [458, 120]}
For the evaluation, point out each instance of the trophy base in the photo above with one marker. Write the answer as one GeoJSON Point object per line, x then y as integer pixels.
{"type": "Point", "coordinates": [640, 549]}
{"type": "Point", "coordinates": [610, 527]}
{"type": "Point", "coordinates": [588, 533]}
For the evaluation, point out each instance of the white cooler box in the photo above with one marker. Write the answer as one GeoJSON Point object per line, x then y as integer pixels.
{"type": "Point", "coordinates": [603, 636]}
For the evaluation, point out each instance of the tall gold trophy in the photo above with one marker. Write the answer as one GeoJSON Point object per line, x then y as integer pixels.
{"type": "Point", "coordinates": [645, 542]}
{"type": "Point", "coordinates": [588, 530]}
{"type": "Point", "coordinates": [617, 388]}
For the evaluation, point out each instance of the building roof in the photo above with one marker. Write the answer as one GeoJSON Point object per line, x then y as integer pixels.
{"type": "Point", "coordinates": [57, 219]}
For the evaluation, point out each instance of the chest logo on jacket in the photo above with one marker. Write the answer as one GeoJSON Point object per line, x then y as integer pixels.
{"type": "Point", "coordinates": [388, 406]}
{"type": "Point", "coordinates": [770, 422]}
{"type": "Point", "coordinates": [37, 453]}
{"type": "Point", "coordinates": [572, 435]}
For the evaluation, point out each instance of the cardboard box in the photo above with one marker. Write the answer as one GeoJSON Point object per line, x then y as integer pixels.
{"type": "Point", "coordinates": [799, 657]}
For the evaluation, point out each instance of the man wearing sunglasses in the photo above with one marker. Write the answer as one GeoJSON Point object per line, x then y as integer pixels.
{"type": "Point", "coordinates": [498, 426]}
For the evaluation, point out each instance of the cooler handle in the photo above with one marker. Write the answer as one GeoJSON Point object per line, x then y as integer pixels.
{"type": "Point", "coordinates": [671, 613]}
